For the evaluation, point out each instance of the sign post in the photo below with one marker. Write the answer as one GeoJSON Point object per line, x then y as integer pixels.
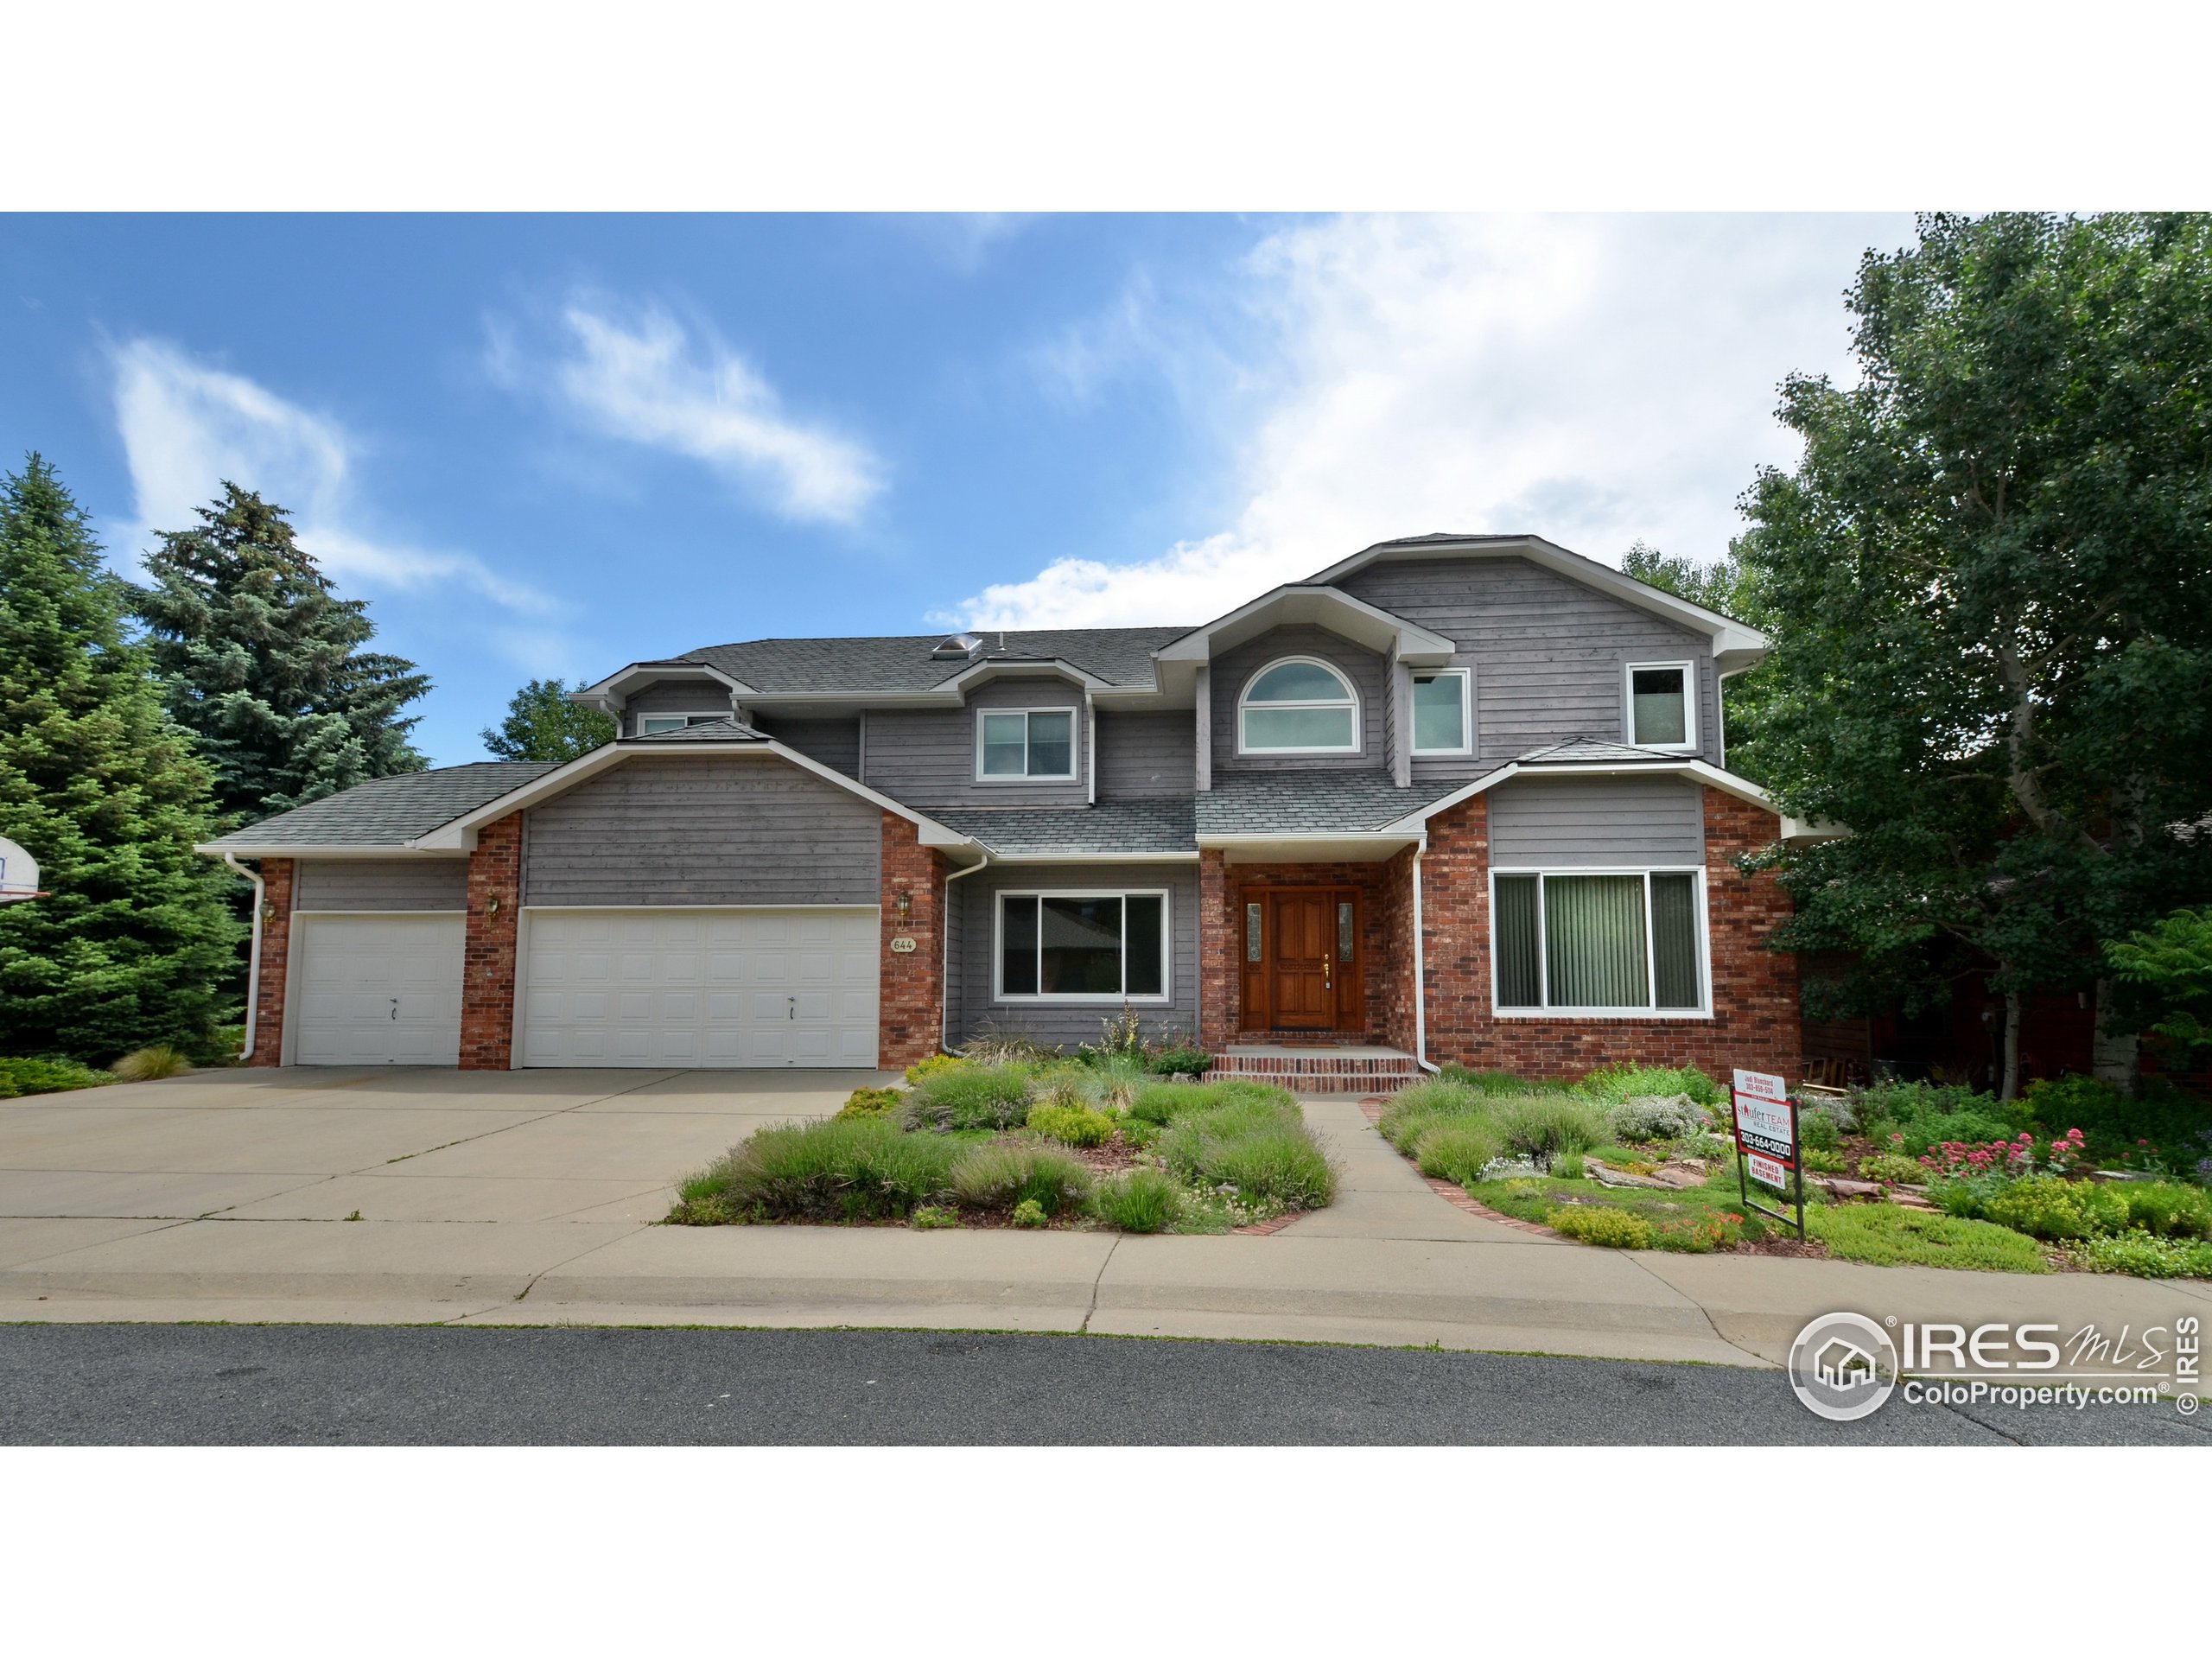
{"type": "Point", "coordinates": [1766, 1143]}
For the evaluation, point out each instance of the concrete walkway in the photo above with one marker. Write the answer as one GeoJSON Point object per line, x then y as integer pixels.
{"type": "Point", "coordinates": [528, 1198]}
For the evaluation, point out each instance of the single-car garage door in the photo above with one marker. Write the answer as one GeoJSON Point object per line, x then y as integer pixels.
{"type": "Point", "coordinates": [378, 990]}
{"type": "Point", "coordinates": [700, 986]}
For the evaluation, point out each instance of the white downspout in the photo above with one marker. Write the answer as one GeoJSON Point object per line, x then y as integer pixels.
{"type": "Point", "coordinates": [1421, 983]}
{"type": "Point", "coordinates": [944, 969]}
{"type": "Point", "coordinates": [253, 958]}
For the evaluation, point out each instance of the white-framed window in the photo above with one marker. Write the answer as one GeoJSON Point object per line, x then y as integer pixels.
{"type": "Point", "coordinates": [648, 724]}
{"type": "Point", "coordinates": [1599, 942]}
{"type": "Point", "coordinates": [1444, 715]}
{"type": "Point", "coordinates": [1081, 947]}
{"type": "Point", "coordinates": [1298, 705]}
{"type": "Point", "coordinates": [1662, 705]}
{"type": "Point", "coordinates": [1016, 746]}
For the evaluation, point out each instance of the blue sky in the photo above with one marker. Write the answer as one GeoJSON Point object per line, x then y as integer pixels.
{"type": "Point", "coordinates": [550, 446]}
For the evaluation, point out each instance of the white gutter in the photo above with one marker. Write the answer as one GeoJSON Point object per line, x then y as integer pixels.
{"type": "Point", "coordinates": [1420, 978]}
{"type": "Point", "coordinates": [253, 960]}
{"type": "Point", "coordinates": [945, 967]}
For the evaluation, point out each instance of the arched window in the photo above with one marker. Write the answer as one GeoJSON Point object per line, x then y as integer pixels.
{"type": "Point", "coordinates": [1299, 705]}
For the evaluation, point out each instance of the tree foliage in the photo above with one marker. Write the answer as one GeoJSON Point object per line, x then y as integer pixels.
{"type": "Point", "coordinates": [1726, 586]}
{"type": "Point", "coordinates": [542, 724]}
{"type": "Point", "coordinates": [105, 790]}
{"type": "Point", "coordinates": [1988, 584]}
{"type": "Point", "coordinates": [2167, 970]}
{"type": "Point", "coordinates": [264, 663]}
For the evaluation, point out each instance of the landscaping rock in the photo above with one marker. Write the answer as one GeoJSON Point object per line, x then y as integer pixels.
{"type": "Point", "coordinates": [1839, 1186]}
{"type": "Point", "coordinates": [1681, 1172]}
{"type": "Point", "coordinates": [1606, 1175]}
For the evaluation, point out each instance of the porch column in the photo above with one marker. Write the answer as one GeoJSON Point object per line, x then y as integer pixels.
{"type": "Point", "coordinates": [1219, 971]}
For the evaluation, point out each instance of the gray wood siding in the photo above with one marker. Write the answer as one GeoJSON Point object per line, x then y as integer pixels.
{"type": "Point", "coordinates": [833, 742]}
{"type": "Point", "coordinates": [1623, 822]}
{"type": "Point", "coordinates": [381, 884]}
{"type": "Point", "coordinates": [969, 989]}
{"type": "Point", "coordinates": [1233, 670]}
{"type": "Point", "coordinates": [717, 829]}
{"type": "Point", "coordinates": [1550, 655]}
{"type": "Point", "coordinates": [926, 757]}
{"type": "Point", "coordinates": [676, 697]}
{"type": "Point", "coordinates": [1145, 754]}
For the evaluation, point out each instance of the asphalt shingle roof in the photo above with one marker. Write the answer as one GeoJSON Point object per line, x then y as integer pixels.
{"type": "Point", "coordinates": [1310, 803]}
{"type": "Point", "coordinates": [902, 662]}
{"type": "Point", "coordinates": [1594, 748]}
{"type": "Point", "coordinates": [1165, 825]}
{"type": "Point", "coordinates": [389, 811]}
{"type": "Point", "coordinates": [724, 730]}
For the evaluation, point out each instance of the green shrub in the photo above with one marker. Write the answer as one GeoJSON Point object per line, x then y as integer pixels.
{"type": "Point", "coordinates": [1029, 1213]}
{"type": "Point", "coordinates": [968, 1097]}
{"type": "Point", "coordinates": [1162, 1103]}
{"type": "Point", "coordinates": [2045, 1207]}
{"type": "Point", "coordinates": [871, 1103]}
{"type": "Point", "coordinates": [49, 1076]}
{"type": "Point", "coordinates": [934, 1215]}
{"type": "Point", "coordinates": [1117, 1081]}
{"type": "Point", "coordinates": [1601, 1224]}
{"type": "Point", "coordinates": [1074, 1126]}
{"type": "Point", "coordinates": [1657, 1117]}
{"type": "Point", "coordinates": [1140, 1133]}
{"type": "Point", "coordinates": [1419, 1107]}
{"type": "Point", "coordinates": [1903, 1103]}
{"type": "Point", "coordinates": [1182, 1056]}
{"type": "Point", "coordinates": [1818, 1129]}
{"type": "Point", "coordinates": [1893, 1169]}
{"type": "Point", "coordinates": [1486, 1082]}
{"type": "Point", "coordinates": [1004, 1177]}
{"type": "Point", "coordinates": [1821, 1163]}
{"type": "Point", "coordinates": [1569, 1167]}
{"type": "Point", "coordinates": [1139, 1201]}
{"type": "Point", "coordinates": [1614, 1084]}
{"type": "Point", "coordinates": [2143, 1254]}
{"type": "Point", "coordinates": [1256, 1141]}
{"type": "Point", "coordinates": [1888, 1236]}
{"type": "Point", "coordinates": [1973, 1128]}
{"type": "Point", "coordinates": [931, 1066]}
{"type": "Point", "coordinates": [2167, 1117]}
{"type": "Point", "coordinates": [150, 1065]}
{"type": "Point", "coordinates": [2168, 1208]}
{"type": "Point", "coordinates": [1456, 1152]}
{"type": "Point", "coordinates": [844, 1169]}
{"type": "Point", "coordinates": [1543, 1126]}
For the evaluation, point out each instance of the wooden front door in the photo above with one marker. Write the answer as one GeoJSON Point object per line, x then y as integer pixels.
{"type": "Point", "coordinates": [1302, 967]}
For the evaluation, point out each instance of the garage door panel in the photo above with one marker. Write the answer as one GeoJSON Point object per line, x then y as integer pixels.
{"type": "Point", "coordinates": [701, 987]}
{"type": "Point", "coordinates": [382, 990]}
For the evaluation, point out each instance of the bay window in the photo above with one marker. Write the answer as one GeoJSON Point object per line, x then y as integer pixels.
{"type": "Point", "coordinates": [1109, 947]}
{"type": "Point", "coordinates": [1592, 942]}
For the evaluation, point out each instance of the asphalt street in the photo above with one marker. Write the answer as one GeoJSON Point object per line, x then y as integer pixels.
{"type": "Point", "coordinates": [357, 1385]}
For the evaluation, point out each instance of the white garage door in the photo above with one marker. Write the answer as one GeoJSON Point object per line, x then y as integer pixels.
{"type": "Point", "coordinates": [378, 990]}
{"type": "Point", "coordinates": [700, 986]}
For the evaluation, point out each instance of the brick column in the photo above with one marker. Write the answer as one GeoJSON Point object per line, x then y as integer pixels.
{"type": "Point", "coordinates": [1220, 970]}
{"type": "Point", "coordinates": [911, 1023]}
{"type": "Point", "coordinates": [487, 972]}
{"type": "Point", "coordinates": [1757, 1022]}
{"type": "Point", "coordinates": [275, 956]}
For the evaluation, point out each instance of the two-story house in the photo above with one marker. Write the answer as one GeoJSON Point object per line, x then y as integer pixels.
{"type": "Point", "coordinates": [1457, 797]}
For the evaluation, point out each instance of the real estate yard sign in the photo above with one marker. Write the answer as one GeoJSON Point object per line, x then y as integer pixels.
{"type": "Point", "coordinates": [1766, 1142]}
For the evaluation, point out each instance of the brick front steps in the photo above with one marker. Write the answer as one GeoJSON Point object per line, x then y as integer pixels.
{"type": "Point", "coordinates": [1318, 1070]}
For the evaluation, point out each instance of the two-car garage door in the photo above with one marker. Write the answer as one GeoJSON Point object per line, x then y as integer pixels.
{"type": "Point", "coordinates": [699, 986]}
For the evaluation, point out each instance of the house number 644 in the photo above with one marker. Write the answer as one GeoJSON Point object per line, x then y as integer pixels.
{"type": "Point", "coordinates": [902, 947]}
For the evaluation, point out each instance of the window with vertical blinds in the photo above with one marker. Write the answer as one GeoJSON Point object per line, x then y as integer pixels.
{"type": "Point", "coordinates": [1610, 942]}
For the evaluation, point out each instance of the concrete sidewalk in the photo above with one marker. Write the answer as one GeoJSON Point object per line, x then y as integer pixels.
{"type": "Point", "coordinates": [527, 1199]}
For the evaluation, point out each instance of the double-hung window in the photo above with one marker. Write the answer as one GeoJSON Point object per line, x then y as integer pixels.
{"type": "Point", "coordinates": [1442, 717]}
{"type": "Point", "coordinates": [1662, 710]}
{"type": "Point", "coordinates": [1591, 943]}
{"type": "Point", "coordinates": [1083, 947]}
{"type": "Point", "coordinates": [1014, 744]}
{"type": "Point", "coordinates": [648, 724]}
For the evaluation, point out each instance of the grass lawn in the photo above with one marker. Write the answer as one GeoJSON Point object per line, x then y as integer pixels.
{"type": "Point", "coordinates": [1888, 1236]}
{"type": "Point", "coordinates": [1697, 1219]}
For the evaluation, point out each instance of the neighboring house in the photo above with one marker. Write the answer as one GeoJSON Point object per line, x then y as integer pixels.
{"type": "Point", "coordinates": [1462, 798]}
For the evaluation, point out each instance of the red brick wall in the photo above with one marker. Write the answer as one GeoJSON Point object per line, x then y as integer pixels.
{"type": "Point", "coordinates": [1755, 1022]}
{"type": "Point", "coordinates": [1394, 964]}
{"type": "Point", "coordinates": [911, 1026]}
{"type": "Point", "coordinates": [1220, 965]}
{"type": "Point", "coordinates": [487, 973]}
{"type": "Point", "coordinates": [1222, 889]}
{"type": "Point", "coordinates": [275, 958]}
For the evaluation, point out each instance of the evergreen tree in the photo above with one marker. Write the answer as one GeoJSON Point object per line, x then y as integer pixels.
{"type": "Point", "coordinates": [264, 665]}
{"type": "Point", "coordinates": [104, 790]}
{"type": "Point", "coordinates": [1990, 586]}
{"type": "Point", "coordinates": [542, 724]}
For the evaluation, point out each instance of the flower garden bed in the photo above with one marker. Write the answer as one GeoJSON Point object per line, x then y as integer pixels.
{"type": "Point", "coordinates": [1036, 1142]}
{"type": "Point", "coordinates": [1636, 1158]}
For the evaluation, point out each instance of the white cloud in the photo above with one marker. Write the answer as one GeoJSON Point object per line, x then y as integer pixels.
{"type": "Point", "coordinates": [642, 377]}
{"type": "Point", "coordinates": [187, 427]}
{"type": "Point", "coordinates": [1589, 380]}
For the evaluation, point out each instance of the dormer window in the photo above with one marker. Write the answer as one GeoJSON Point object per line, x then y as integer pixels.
{"type": "Point", "coordinates": [957, 647]}
{"type": "Point", "coordinates": [1661, 715]}
{"type": "Point", "coordinates": [649, 724]}
{"type": "Point", "coordinates": [1018, 745]}
{"type": "Point", "coordinates": [1299, 705]}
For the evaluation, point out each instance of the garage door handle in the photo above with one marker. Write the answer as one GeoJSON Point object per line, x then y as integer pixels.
{"type": "Point", "coordinates": [792, 1012]}
{"type": "Point", "coordinates": [395, 1007]}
